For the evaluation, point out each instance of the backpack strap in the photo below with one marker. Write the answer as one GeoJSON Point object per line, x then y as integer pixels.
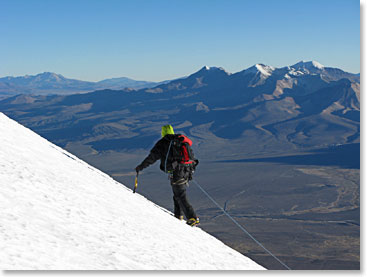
{"type": "Point", "coordinates": [165, 162]}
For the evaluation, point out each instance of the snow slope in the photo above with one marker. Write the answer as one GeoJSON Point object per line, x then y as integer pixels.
{"type": "Point", "coordinates": [57, 212]}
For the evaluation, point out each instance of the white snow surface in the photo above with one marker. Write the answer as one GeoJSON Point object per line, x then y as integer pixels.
{"type": "Point", "coordinates": [317, 65]}
{"type": "Point", "coordinates": [58, 212]}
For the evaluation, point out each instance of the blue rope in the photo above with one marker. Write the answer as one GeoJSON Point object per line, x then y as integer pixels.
{"type": "Point", "coordinates": [240, 226]}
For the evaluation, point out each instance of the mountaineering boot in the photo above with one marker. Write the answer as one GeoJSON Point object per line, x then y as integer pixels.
{"type": "Point", "coordinates": [180, 217]}
{"type": "Point", "coordinates": [193, 221]}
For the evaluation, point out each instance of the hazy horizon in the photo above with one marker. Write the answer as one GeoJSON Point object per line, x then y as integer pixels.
{"type": "Point", "coordinates": [117, 77]}
{"type": "Point", "coordinates": [163, 40]}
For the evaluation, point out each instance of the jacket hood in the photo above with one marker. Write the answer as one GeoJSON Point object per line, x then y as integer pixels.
{"type": "Point", "coordinates": [167, 130]}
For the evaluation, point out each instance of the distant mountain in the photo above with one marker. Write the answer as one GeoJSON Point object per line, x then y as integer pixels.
{"type": "Point", "coordinates": [124, 82]}
{"type": "Point", "coordinates": [43, 83]}
{"type": "Point", "coordinates": [52, 83]}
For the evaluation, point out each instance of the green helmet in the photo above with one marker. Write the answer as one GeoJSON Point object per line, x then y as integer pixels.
{"type": "Point", "coordinates": [167, 130]}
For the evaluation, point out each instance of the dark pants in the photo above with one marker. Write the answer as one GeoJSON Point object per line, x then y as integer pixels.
{"type": "Point", "coordinates": [181, 203]}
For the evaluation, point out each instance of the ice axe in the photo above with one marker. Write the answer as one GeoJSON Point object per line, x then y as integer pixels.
{"type": "Point", "coordinates": [136, 182]}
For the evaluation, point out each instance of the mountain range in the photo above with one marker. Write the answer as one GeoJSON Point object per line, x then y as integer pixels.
{"type": "Point", "coordinates": [305, 104]}
{"type": "Point", "coordinates": [52, 83]}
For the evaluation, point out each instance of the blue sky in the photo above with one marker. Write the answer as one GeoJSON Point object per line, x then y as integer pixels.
{"type": "Point", "coordinates": [164, 39]}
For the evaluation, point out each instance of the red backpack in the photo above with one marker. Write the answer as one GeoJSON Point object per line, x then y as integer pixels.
{"type": "Point", "coordinates": [180, 152]}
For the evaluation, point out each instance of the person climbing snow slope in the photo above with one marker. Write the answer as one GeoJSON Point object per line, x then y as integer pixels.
{"type": "Point", "coordinates": [177, 159]}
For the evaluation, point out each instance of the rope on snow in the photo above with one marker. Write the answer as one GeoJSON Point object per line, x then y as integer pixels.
{"type": "Point", "coordinates": [240, 226]}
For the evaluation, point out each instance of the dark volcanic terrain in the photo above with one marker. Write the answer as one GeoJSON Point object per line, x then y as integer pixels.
{"type": "Point", "coordinates": [278, 149]}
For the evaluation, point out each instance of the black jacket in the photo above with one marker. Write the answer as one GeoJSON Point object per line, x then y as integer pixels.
{"type": "Point", "coordinates": [159, 151]}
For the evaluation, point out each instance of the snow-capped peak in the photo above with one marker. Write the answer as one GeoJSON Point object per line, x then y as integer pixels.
{"type": "Point", "coordinates": [205, 70]}
{"type": "Point", "coordinates": [265, 70]}
{"type": "Point", "coordinates": [213, 68]}
{"type": "Point", "coordinates": [48, 77]}
{"type": "Point", "coordinates": [308, 65]}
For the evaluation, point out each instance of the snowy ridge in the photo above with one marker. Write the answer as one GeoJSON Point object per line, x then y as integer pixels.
{"type": "Point", "coordinates": [58, 212]}
{"type": "Point", "coordinates": [300, 68]}
{"type": "Point", "coordinates": [308, 65]}
{"type": "Point", "coordinates": [265, 70]}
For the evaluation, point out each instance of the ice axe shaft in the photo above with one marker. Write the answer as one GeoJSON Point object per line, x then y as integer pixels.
{"type": "Point", "coordinates": [136, 182]}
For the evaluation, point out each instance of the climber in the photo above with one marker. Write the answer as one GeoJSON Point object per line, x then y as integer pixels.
{"type": "Point", "coordinates": [177, 159]}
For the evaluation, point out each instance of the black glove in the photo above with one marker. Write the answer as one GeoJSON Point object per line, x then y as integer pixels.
{"type": "Point", "coordinates": [138, 168]}
{"type": "Point", "coordinates": [196, 163]}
